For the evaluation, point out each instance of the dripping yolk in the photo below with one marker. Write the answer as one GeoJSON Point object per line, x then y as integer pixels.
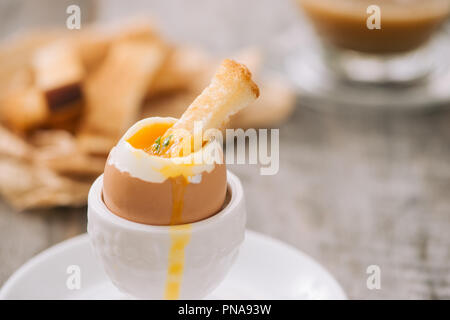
{"type": "Point", "coordinates": [145, 139]}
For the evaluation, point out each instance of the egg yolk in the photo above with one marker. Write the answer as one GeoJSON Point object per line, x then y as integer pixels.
{"type": "Point", "coordinates": [145, 138]}
{"type": "Point", "coordinates": [156, 140]}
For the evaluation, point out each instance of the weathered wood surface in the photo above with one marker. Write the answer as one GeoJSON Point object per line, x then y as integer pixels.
{"type": "Point", "coordinates": [352, 191]}
{"type": "Point", "coordinates": [356, 191]}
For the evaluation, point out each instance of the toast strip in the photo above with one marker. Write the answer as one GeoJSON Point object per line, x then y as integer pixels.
{"type": "Point", "coordinates": [231, 89]}
{"type": "Point", "coordinates": [115, 92]}
{"type": "Point", "coordinates": [58, 68]}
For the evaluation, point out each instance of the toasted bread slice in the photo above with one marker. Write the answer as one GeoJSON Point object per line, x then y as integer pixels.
{"type": "Point", "coordinates": [58, 72]}
{"type": "Point", "coordinates": [95, 144]}
{"type": "Point", "coordinates": [24, 109]}
{"type": "Point", "coordinates": [15, 55]}
{"type": "Point", "coordinates": [94, 42]}
{"type": "Point", "coordinates": [230, 90]}
{"type": "Point", "coordinates": [115, 91]}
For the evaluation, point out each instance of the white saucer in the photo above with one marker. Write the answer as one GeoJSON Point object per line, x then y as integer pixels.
{"type": "Point", "coordinates": [265, 269]}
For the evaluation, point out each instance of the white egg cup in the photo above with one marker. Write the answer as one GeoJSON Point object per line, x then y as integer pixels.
{"type": "Point", "coordinates": [136, 256]}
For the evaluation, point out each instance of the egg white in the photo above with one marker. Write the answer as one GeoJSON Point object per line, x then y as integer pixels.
{"type": "Point", "coordinates": [150, 168]}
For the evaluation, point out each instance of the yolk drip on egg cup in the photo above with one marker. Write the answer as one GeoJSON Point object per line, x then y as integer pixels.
{"type": "Point", "coordinates": [190, 202]}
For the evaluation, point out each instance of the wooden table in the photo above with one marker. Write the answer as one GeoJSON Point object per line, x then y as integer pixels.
{"type": "Point", "coordinates": [363, 190]}
{"type": "Point", "coordinates": [352, 191]}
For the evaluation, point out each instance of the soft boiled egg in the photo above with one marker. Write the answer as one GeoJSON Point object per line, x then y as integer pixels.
{"type": "Point", "coordinates": [154, 190]}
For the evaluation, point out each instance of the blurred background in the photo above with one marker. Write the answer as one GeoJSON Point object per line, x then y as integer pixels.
{"type": "Point", "coordinates": [356, 187]}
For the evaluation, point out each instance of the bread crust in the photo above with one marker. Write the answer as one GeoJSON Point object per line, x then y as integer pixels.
{"type": "Point", "coordinates": [230, 70]}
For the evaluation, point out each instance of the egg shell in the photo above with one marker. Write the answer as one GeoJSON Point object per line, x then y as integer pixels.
{"type": "Point", "coordinates": [151, 202]}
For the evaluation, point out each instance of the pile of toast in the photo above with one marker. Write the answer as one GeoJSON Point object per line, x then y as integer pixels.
{"type": "Point", "coordinates": [66, 97]}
